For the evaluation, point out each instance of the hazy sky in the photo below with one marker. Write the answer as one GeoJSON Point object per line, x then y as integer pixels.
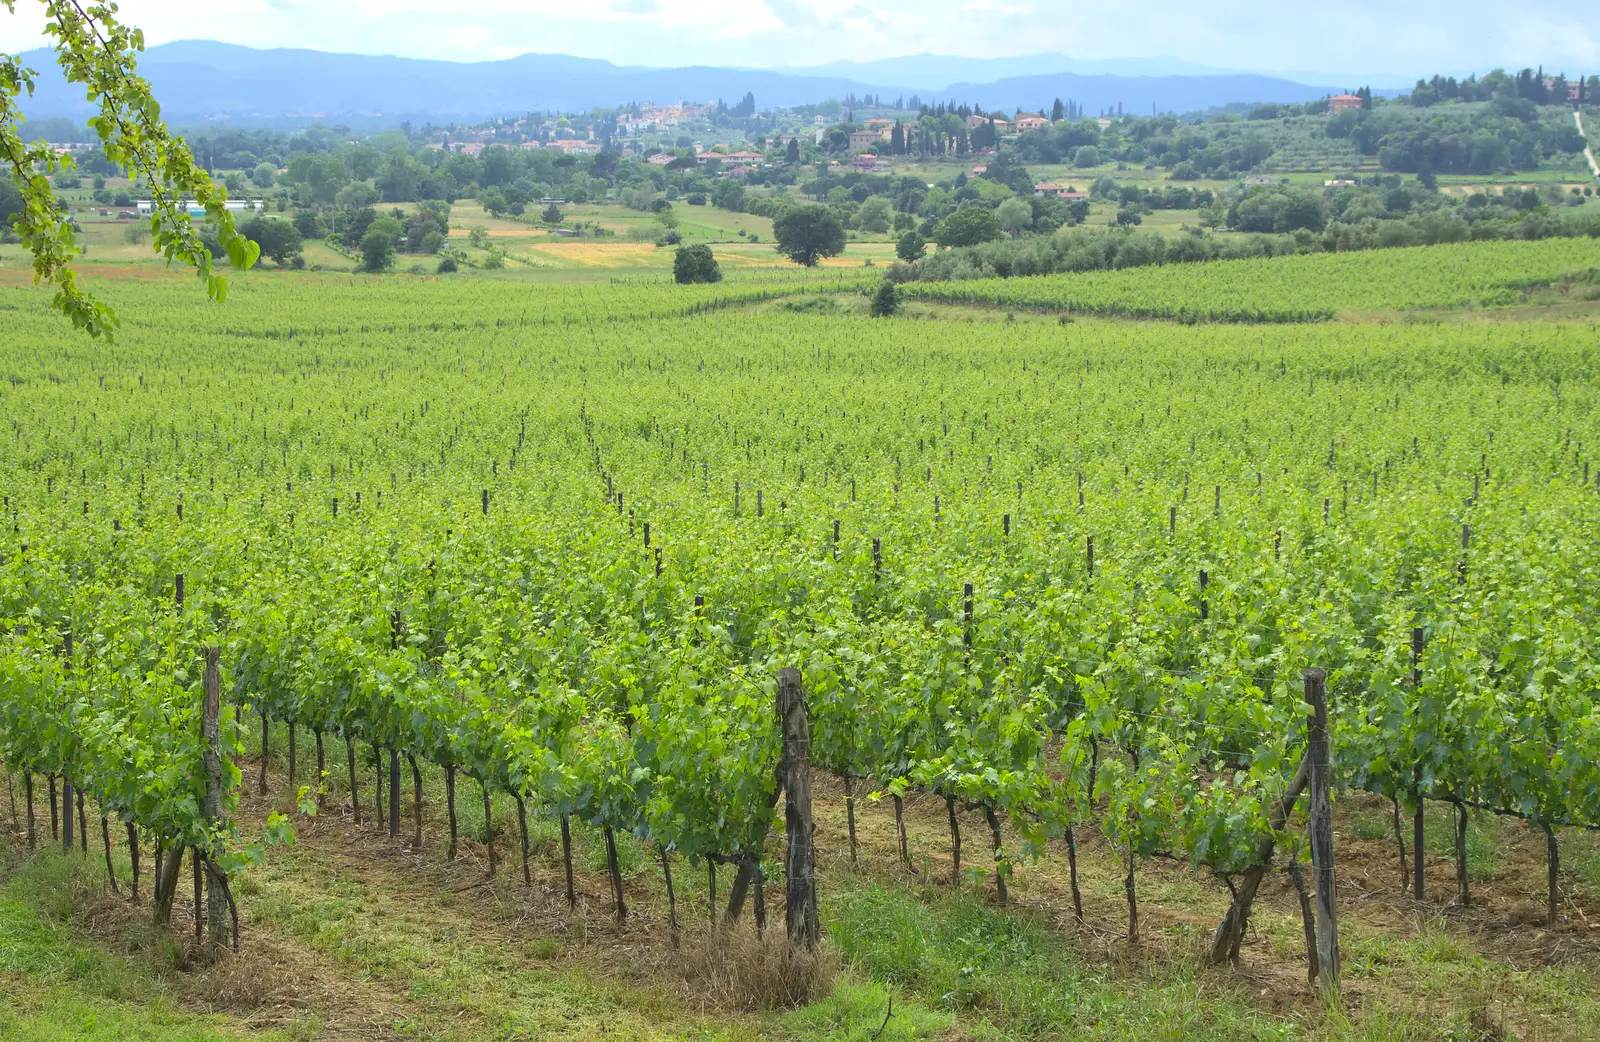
{"type": "Point", "coordinates": [1353, 36]}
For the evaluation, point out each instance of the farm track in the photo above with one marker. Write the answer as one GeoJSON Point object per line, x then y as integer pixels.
{"type": "Point", "coordinates": [1588, 151]}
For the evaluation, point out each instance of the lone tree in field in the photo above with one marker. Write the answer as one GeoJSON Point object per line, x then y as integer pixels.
{"type": "Point", "coordinates": [886, 301]}
{"type": "Point", "coordinates": [695, 264]}
{"type": "Point", "coordinates": [552, 214]}
{"type": "Point", "coordinates": [377, 245]}
{"type": "Point", "coordinates": [809, 233]}
{"type": "Point", "coordinates": [95, 50]}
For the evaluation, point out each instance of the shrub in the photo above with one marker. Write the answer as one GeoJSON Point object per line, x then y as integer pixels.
{"type": "Point", "coordinates": [447, 264]}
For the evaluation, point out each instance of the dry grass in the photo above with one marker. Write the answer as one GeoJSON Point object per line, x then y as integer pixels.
{"type": "Point", "coordinates": [736, 970]}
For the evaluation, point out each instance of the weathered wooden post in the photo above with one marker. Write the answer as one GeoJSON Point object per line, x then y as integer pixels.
{"type": "Point", "coordinates": [1319, 785]}
{"type": "Point", "coordinates": [211, 758]}
{"type": "Point", "coordinates": [800, 856]}
{"type": "Point", "coordinates": [1417, 638]}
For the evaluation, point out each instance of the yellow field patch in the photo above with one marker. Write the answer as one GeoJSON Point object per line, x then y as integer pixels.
{"type": "Point", "coordinates": [602, 255]}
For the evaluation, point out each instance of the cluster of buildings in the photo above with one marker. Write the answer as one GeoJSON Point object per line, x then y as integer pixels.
{"type": "Point", "coordinates": [655, 119]}
{"type": "Point", "coordinates": [569, 146]}
{"type": "Point", "coordinates": [733, 163]}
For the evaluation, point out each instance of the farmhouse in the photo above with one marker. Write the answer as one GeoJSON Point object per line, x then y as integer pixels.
{"type": "Point", "coordinates": [1053, 190]}
{"type": "Point", "coordinates": [1031, 121]}
{"type": "Point", "coordinates": [573, 147]}
{"type": "Point", "coordinates": [863, 140]}
{"type": "Point", "coordinates": [1343, 103]}
{"type": "Point", "coordinates": [146, 207]}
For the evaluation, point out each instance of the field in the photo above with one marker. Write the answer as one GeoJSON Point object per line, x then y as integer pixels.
{"type": "Point", "coordinates": [538, 543]}
{"type": "Point", "coordinates": [1294, 289]}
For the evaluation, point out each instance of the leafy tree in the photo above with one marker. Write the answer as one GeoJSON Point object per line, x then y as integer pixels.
{"type": "Point", "coordinates": [968, 226]}
{"type": "Point", "coordinates": [356, 194]}
{"type": "Point", "coordinates": [911, 247]}
{"type": "Point", "coordinates": [886, 301]}
{"type": "Point", "coordinates": [694, 264]}
{"type": "Point", "coordinates": [1086, 156]}
{"type": "Point", "coordinates": [277, 239]}
{"type": "Point", "coordinates": [377, 245]}
{"type": "Point", "coordinates": [10, 203]}
{"type": "Point", "coordinates": [447, 264]}
{"type": "Point", "coordinates": [873, 216]}
{"type": "Point", "coordinates": [552, 214]}
{"type": "Point", "coordinates": [808, 233]}
{"type": "Point", "coordinates": [263, 175]}
{"type": "Point", "coordinates": [97, 51]}
{"type": "Point", "coordinates": [1014, 216]}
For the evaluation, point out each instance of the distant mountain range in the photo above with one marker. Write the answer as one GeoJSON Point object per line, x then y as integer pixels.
{"type": "Point", "coordinates": [199, 81]}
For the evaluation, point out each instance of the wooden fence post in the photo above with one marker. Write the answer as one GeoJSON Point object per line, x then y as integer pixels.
{"type": "Point", "coordinates": [1321, 807]}
{"type": "Point", "coordinates": [800, 855]}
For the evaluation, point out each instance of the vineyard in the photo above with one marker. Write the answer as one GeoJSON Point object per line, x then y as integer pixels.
{"type": "Point", "coordinates": [1306, 288]}
{"type": "Point", "coordinates": [557, 544]}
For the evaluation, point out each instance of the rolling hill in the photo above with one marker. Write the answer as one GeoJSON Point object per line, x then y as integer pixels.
{"type": "Point", "coordinates": [204, 81]}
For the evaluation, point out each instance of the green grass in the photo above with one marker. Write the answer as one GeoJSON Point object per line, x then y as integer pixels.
{"type": "Point", "coordinates": [59, 987]}
{"type": "Point", "coordinates": [1012, 977]}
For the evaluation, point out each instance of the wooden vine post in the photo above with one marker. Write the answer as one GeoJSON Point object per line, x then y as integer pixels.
{"type": "Point", "coordinates": [66, 775]}
{"type": "Point", "coordinates": [211, 759]}
{"type": "Point", "coordinates": [1320, 798]}
{"type": "Point", "coordinates": [800, 854]}
{"type": "Point", "coordinates": [1418, 891]}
